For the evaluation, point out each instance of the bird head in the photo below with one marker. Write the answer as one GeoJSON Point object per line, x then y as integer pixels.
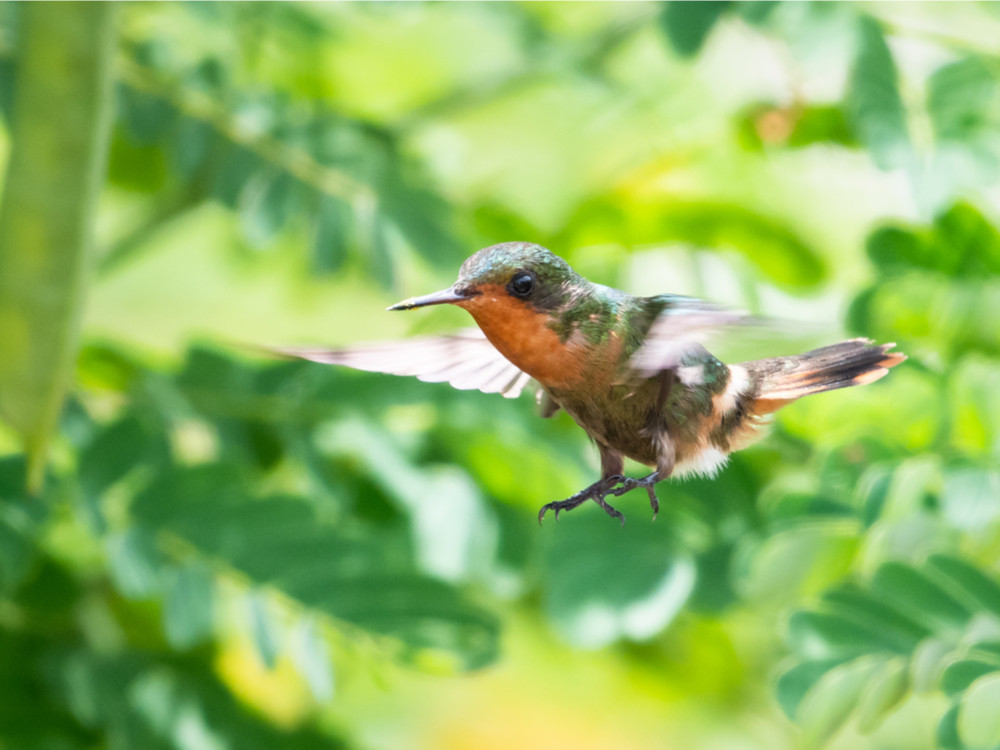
{"type": "Point", "coordinates": [504, 276]}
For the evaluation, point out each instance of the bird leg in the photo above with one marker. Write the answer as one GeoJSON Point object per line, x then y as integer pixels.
{"type": "Point", "coordinates": [596, 492]}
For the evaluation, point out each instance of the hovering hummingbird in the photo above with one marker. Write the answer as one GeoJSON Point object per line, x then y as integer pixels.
{"type": "Point", "coordinates": [631, 371]}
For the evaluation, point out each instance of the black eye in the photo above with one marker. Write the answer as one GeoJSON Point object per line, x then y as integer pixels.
{"type": "Point", "coordinates": [522, 284]}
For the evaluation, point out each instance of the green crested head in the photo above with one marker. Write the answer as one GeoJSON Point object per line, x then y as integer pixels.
{"type": "Point", "coordinates": [523, 273]}
{"type": "Point", "coordinates": [525, 270]}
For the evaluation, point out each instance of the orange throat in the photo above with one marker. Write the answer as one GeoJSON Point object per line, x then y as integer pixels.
{"type": "Point", "coordinates": [522, 334]}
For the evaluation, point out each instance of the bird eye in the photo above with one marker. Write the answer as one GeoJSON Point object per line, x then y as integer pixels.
{"type": "Point", "coordinates": [522, 284]}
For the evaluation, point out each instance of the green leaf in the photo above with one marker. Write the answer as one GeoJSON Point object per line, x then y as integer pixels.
{"type": "Point", "coordinates": [821, 635]}
{"type": "Point", "coordinates": [928, 663]}
{"type": "Point", "coordinates": [962, 100]}
{"type": "Point", "coordinates": [139, 701]}
{"type": "Point", "coordinates": [915, 593]}
{"type": "Point", "coordinates": [802, 559]}
{"type": "Point", "coordinates": [380, 252]}
{"type": "Point", "coordinates": [148, 117]}
{"type": "Point", "coordinates": [264, 629]}
{"type": "Point", "coordinates": [265, 205]}
{"type": "Point", "coordinates": [585, 594]}
{"type": "Point", "coordinates": [116, 449]}
{"type": "Point", "coordinates": [959, 675]}
{"type": "Point", "coordinates": [989, 649]}
{"type": "Point", "coordinates": [21, 519]}
{"type": "Point", "coordinates": [188, 606]}
{"type": "Point", "coordinates": [312, 657]}
{"type": "Point", "coordinates": [687, 24]}
{"type": "Point", "coordinates": [794, 683]}
{"type": "Point", "coordinates": [978, 717]}
{"type": "Point", "coordinates": [885, 690]}
{"type": "Point", "coordinates": [60, 131]}
{"type": "Point", "coordinates": [351, 573]}
{"type": "Point", "coordinates": [947, 731]}
{"type": "Point", "coordinates": [334, 221]}
{"type": "Point", "coordinates": [136, 565]}
{"type": "Point", "coordinates": [874, 105]}
{"type": "Point", "coordinates": [853, 601]}
{"type": "Point", "coordinates": [779, 252]}
{"type": "Point", "coordinates": [191, 146]}
{"type": "Point", "coordinates": [830, 702]}
{"type": "Point", "coordinates": [979, 589]}
{"type": "Point", "coordinates": [239, 164]}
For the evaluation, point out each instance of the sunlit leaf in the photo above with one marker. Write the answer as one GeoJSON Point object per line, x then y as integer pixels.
{"type": "Point", "coordinates": [828, 704]}
{"type": "Point", "coordinates": [873, 102]}
{"type": "Point", "coordinates": [978, 718]}
{"type": "Point", "coordinates": [794, 683]}
{"type": "Point", "coordinates": [804, 558]}
{"type": "Point", "coordinates": [188, 606]}
{"type": "Point", "coordinates": [53, 177]}
{"type": "Point", "coordinates": [604, 582]}
{"type": "Point", "coordinates": [264, 629]}
{"type": "Point", "coordinates": [136, 565]}
{"type": "Point", "coordinates": [312, 658]}
{"type": "Point", "coordinates": [885, 690]}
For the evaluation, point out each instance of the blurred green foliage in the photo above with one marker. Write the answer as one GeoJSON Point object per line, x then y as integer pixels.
{"type": "Point", "coordinates": [230, 552]}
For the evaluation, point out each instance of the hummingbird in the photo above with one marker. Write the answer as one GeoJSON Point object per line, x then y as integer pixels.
{"type": "Point", "coordinates": [633, 372]}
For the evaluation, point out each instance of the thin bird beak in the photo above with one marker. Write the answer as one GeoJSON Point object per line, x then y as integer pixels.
{"type": "Point", "coordinates": [444, 297]}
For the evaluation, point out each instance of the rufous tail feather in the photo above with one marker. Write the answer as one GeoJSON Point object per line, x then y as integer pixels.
{"type": "Point", "coordinates": [782, 380]}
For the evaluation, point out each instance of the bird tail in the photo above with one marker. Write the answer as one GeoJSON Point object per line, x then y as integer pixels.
{"type": "Point", "coordinates": [782, 380]}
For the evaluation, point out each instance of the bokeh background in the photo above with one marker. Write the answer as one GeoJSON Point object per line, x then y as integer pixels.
{"type": "Point", "coordinates": [204, 548]}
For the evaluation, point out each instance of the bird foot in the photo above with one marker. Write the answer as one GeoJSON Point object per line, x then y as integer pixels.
{"type": "Point", "coordinates": [601, 489]}
{"type": "Point", "coordinates": [596, 492]}
{"type": "Point", "coordinates": [647, 483]}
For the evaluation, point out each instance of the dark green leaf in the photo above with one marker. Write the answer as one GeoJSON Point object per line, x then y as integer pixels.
{"type": "Point", "coordinates": [331, 238]}
{"type": "Point", "coordinates": [968, 581]}
{"type": "Point", "coordinates": [853, 601]}
{"type": "Point", "coordinates": [380, 253]}
{"type": "Point", "coordinates": [947, 731]}
{"type": "Point", "coordinates": [919, 596]}
{"type": "Point", "coordinates": [687, 24]}
{"type": "Point", "coordinates": [821, 635]}
{"type": "Point", "coordinates": [148, 117]}
{"type": "Point", "coordinates": [136, 565]}
{"type": "Point", "coordinates": [113, 452]}
{"type": "Point", "coordinates": [959, 675]}
{"type": "Point", "coordinates": [266, 202]}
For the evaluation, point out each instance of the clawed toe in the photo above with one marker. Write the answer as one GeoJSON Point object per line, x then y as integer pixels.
{"type": "Point", "coordinates": [616, 485]}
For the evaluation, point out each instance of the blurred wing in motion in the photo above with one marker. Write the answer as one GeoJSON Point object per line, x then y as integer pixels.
{"type": "Point", "coordinates": [465, 359]}
{"type": "Point", "coordinates": [682, 327]}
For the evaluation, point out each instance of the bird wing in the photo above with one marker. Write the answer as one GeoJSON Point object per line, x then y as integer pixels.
{"type": "Point", "coordinates": [465, 359]}
{"type": "Point", "coordinates": [682, 327]}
